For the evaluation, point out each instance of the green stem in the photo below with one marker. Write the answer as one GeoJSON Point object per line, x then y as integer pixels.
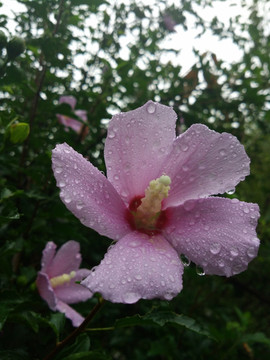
{"type": "Point", "coordinates": [100, 329]}
{"type": "Point", "coordinates": [76, 332]}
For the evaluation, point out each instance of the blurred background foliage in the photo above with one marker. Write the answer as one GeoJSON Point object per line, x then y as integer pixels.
{"type": "Point", "coordinates": [121, 55]}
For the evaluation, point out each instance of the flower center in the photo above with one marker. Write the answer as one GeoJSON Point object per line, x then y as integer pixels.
{"type": "Point", "coordinates": [62, 279]}
{"type": "Point", "coordinates": [146, 212]}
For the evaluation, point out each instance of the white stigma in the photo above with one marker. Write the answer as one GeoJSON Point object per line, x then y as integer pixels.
{"type": "Point", "coordinates": [149, 210]}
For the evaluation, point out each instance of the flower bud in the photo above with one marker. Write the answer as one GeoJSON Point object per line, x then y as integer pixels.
{"type": "Point", "coordinates": [15, 47]}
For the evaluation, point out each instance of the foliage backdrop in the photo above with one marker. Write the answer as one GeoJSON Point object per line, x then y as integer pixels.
{"type": "Point", "coordinates": [121, 46]}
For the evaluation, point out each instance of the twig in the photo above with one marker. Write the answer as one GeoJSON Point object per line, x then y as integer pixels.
{"type": "Point", "coordinates": [76, 332]}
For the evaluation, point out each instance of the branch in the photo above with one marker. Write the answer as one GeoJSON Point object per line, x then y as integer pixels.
{"type": "Point", "coordinates": [76, 332]}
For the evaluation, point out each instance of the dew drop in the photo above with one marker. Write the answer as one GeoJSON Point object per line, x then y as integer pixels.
{"type": "Point", "coordinates": [251, 252]}
{"type": "Point", "coordinates": [200, 271]}
{"type": "Point", "coordinates": [134, 244]}
{"type": "Point", "coordinates": [230, 192]}
{"type": "Point", "coordinates": [58, 170]}
{"type": "Point", "coordinates": [67, 151]}
{"type": "Point", "coordinates": [221, 263]}
{"type": "Point", "coordinates": [222, 152]}
{"type": "Point", "coordinates": [151, 108]}
{"type": "Point", "coordinates": [215, 248]}
{"type": "Point", "coordinates": [246, 210]}
{"type": "Point", "coordinates": [130, 297]}
{"type": "Point", "coordinates": [111, 134]}
{"type": "Point", "coordinates": [185, 168]}
{"type": "Point", "coordinates": [138, 277]}
{"type": "Point", "coordinates": [184, 147]}
{"type": "Point", "coordinates": [185, 260]}
{"type": "Point", "coordinates": [79, 206]}
{"type": "Point", "coordinates": [62, 184]}
{"type": "Point", "coordinates": [116, 177]}
{"type": "Point", "coordinates": [189, 205]}
{"type": "Point", "coordinates": [67, 200]}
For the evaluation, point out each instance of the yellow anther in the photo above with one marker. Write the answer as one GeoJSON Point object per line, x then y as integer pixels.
{"type": "Point", "coordinates": [62, 279]}
{"type": "Point", "coordinates": [149, 210]}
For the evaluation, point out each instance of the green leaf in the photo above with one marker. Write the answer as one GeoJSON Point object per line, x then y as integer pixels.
{"type": "Point", "coordinates": [161, 318]}
{"type": "Point", "coordinates": [19, 132]}
{"type": "Point", "coordinates": [82, 344]}
{"type": "Point", "coordinates": [258, 337]}
{"type": "Point", "coordinates": [4, 310]}
{"type": "Point", "coordinates": [87, 355]}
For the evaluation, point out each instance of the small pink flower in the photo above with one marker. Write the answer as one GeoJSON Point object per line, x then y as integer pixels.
{"type": "Point", "coordinates": [56, 281]}
{"type": "Point", "coordinates": [69, 122]}
{"type": "Point", "coordinates": [156, 203]}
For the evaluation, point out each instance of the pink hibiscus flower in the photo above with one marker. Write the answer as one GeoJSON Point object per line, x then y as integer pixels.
{"type": "Point", "coordinates": [56, 281]}
{"type": "Point", "coordinates": [156, 204]}
{"type": "Point", "coordinates": [69, 122]}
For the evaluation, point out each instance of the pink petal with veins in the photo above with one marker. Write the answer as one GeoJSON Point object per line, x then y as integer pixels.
{"type": "Point", "coordinates": [88, 194]}
{"type": "Point", "coordinates": [137, 267]}
{"type": "Point", "coordinates": [216, 233]}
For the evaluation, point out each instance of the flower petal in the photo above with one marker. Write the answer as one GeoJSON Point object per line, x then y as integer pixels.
{"type": "Point", "coordinates": [45, 290]}
{"type": "Point", "coordinates": [204, 162]}
{"type": "Point", "coordinates": [82, 114]}
{"type": "Point", "coordinates": [88, 194]}
{"type": "Point", "coordinates": [137, 143]}
{"type": "Point", "coordinates": [137, 267]}
{"type": "Point", "coordinates": [72, 293]}
{"type": "Point", "coordinates": [67, 259]}
{"type": "Point", "coordinates": [47, 256]}
{"type": "Point", "coordinates": [70, 313]}
{"type": "Point", "coordinates": [218, 234]}
{"type": "Point", "coordinates": [70, 100]}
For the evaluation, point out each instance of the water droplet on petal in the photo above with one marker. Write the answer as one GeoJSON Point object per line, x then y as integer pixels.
{"type": "Point", "coordinates": [234, 252]}
{"type": "Point", "coordinates": [130, 297]}
{"type": "Point", "coordinates": [184, 147]}
{"type": "Point", "coordinates": [151, 108]}
{"type": "Point", "coordinates": [111, 134]}
{"type": "Point", "coordinates": [138, 277]}
{"type": "Point", "coordinates": [252, 252]}
{"type": "Point", "coordinates": [230, 192]}
{"type": "Point", "coordinates": [79, 206]}
{"type": "Point", "coordinates": [189, 205]}
{"type": "Point", "coordinates": [200, 271]}
{"type": "Point", "coordinates": [62, 184]}
{"type": "Point", "coordinates": [222, 152]}
{"type": "Point", "coordinates": [215, 248]}
{"type": "Point", "coordinates": [58, 170]}
{"type": "Point", "coordinates": [185, 260]}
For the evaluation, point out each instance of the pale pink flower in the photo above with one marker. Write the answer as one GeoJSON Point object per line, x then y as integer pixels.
{"type": "Point", "coordinates": [69, 122]}
{"type": "Point", "coordinates": [56, 281]}
{"type": "Point", "coordinates": [156, 204]}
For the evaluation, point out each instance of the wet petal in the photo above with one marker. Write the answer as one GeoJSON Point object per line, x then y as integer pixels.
{"type": "Point", "coordinates": [47, 255]}
{"type": "Point", "coordinates": [70, 100]}
{"type": "Point", "coordinates": [137, 143]}
{"type": "Point", "coordinates": [218, 234]}
{"type": "Point", "coordinates": [70, 313]}
{"type": "Point", "coordinates": [67, 259]}
{"type": "Point", "coordinates": [204, 162]}
{"type": "Point", "coordinates": [137, 267]}
{"type": "Point", "coordinates": [88, 194]}
{"type": "Point", "coordinates": [82, 114]}
{"type": "Point", "coordinates": [72, 293]}
{"type": "Point", "coordinates": [45, 290]}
